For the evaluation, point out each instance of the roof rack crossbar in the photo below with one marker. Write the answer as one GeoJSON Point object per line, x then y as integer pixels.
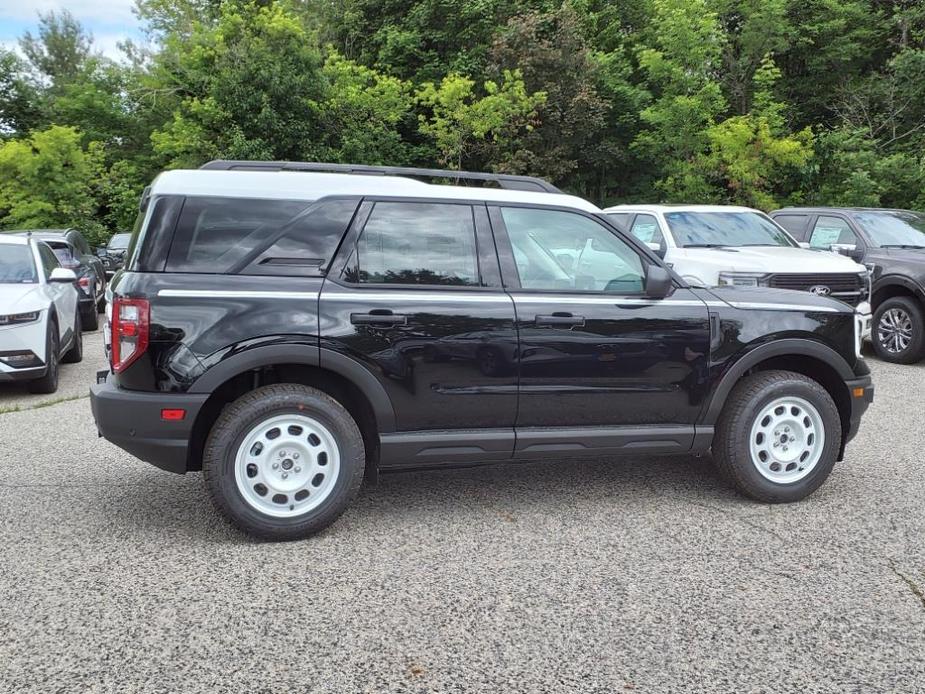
{"type": "Point", "coordinates": [508, 181]}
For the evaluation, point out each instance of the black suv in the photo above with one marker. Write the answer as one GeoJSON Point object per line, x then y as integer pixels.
{"type": "Point", "coordinates": [74, 253]}
{"type": "Point", "coordinates": [892, 245]}
{"type": "Point", "coordinates": [290, 331]}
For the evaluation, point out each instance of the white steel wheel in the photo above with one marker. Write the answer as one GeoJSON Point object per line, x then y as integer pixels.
{"type": "Point", "coordinates": [787, 440]}
{"type": "Point", "coordinates": [287, 465]}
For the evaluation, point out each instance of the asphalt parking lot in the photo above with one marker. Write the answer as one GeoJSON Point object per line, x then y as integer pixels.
{"type": "Point", "coordinates": [599, 576]}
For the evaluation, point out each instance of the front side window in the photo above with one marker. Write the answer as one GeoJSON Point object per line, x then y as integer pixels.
{"type": "Point", "coordinates": [258, 237]}
{"type": "Point", "coordinates": [17, 265]}
{"type": "Point", "coordinates": [894, 229]}
{"type": "Point", "coordinates": [417, 243]}
{"type": "Point", "coordinates": [645, 228]}
{"type": "Point", "coordinates": [794, 223]}
{"type": "Point", "coordinates": [49, 260]}
{"type": "Point", "coordinates": [556, 250]}
{"type": "Point", "coordinates": [831, 230]}
{"type": "Point", "coordinates": [694, 229]}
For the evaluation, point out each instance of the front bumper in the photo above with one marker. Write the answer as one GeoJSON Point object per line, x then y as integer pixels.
{"type": "Point", "coordinates": [865, 316]}
{"type": "Point", "coordinates": [132, 420]}
{"type": "Point", "coordinates": [22, 374]}
{"type": "Point", "coordinates": [861, 395]}
{"type": "Point", "coordinates": [24, 337]}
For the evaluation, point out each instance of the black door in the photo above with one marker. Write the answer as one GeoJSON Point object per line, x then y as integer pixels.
{"type": "Point", "coordinates": [415, 297]}
{"type": "Point", "coordinates": [601, 365]}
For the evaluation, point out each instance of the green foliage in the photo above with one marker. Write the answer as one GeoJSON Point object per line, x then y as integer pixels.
{"type": "Point", "coordinates": [470, 128]}
{"type": "Point", "coordinates": [758, 102]}
{"type": "Point", "coordinates": [47, 180]}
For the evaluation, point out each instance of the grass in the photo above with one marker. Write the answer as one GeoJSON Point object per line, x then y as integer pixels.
{"type": "Point", "coordinates": [44, 403]}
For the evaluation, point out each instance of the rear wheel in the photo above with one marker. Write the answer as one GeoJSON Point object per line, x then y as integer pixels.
{"type": "Point", "coordinates": [49, 382]}
{"type": "Point", "coordinates": [898, 334]}
{"type": "Point", "coordinates": [778, 436]}
{"type": "Point", "coordinates": [284, 461]}
{"type": "Point", "coordinates": [89, 318]}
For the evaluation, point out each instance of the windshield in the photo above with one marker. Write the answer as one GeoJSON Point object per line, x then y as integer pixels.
{"type": "Point", "coordinates": [894, 229]}
{"type": "Point", "coordinates": [709, 229]}
{"type": "Point", "coordinates": [119, 242]}
{"type": "Point", "coordinates": [17, 265]}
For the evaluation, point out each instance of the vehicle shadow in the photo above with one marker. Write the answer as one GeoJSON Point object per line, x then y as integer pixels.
{"type": "Point", "coordinates": [161, 503]}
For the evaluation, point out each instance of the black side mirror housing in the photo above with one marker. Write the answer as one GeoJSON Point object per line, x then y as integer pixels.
{"type": "Point", "coordinates": [658, 282]}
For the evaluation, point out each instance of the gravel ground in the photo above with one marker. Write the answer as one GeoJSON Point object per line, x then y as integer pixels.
{"type": "Point", "coordinates": [598, 576]}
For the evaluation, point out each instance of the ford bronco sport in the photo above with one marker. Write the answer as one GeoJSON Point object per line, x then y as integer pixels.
{"type": "Point", "coordinates": [291, 328]}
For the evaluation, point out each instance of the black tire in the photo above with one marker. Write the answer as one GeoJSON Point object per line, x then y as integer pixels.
{"type": "Point", "coordinates": [90, 319]}
{"type": "Point", "coordinates": [248, 411]}
{"type": "Point", "coordinates": [884, 348]}
{"type": "Point", "coordinates": [732, 440]}
{"type": "Point", "coordinates": [49, 382]}
{"type": "Point", "coordinates": [75, 354]}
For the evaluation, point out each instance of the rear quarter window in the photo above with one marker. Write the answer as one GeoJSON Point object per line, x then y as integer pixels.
{"type": "Point", "coordinates": [258, 237]}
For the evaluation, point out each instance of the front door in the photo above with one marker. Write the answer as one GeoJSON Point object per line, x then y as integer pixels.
{"type": "Point", "coordinates": [595, 352]}
{"type": "Point", "coordinates": [416, 298]}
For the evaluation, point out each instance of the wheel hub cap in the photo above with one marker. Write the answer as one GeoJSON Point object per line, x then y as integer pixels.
{"type": "Point", "coordinates": [894, 331]}
{"type": "Point", "coordinates": [787, 440]}
{"type": "Point", "coordinates": [287, 465]}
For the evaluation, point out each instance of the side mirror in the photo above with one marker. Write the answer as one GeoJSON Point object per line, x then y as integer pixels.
{"type": "Point", "coordinates": [658, 282]}
{"type": "Point", "coordinates": [62, 274]}
{"type": "Point", "coordinates": [656, 248]}
{"type": "Point", "coordinates": [848, 249]}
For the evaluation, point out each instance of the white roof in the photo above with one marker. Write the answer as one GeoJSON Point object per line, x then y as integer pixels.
{"type": "Point", "coordinates": [310, 185]}
{"type": "Point", "coordinates": [679, 208]}
{"type": "Point", "coordinates": [14, 240]}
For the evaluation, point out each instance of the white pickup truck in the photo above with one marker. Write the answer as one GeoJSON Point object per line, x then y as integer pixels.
{"type": "Point", "coordinates": [715, 245]}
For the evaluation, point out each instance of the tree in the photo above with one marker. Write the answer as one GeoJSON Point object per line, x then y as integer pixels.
{"type": "Point", "coordinates": [60, 49]}
{"type": "Point", "coordinates": [245, 89]}
{"type": "Point", "coordinates": [20, 108]}
{"type": "Point", "coordinates": [474, 131]}
{"type": "Point", "coordinates": [47, 180]}
{"type": "Point", "coordinates": [681, 70]}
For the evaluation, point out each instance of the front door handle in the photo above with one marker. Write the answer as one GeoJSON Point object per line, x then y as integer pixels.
{"type": "Point", "coordinates": [379, 317]}
{"type": "Point", "coordinates": [560, 319]}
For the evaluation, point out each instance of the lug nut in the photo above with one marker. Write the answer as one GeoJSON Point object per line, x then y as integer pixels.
{"type": "Point", "coordinates": [298, 469]}
{"type": "Point", "coordinates": [295, 456]}
{"type": "Point", "coordinates": [285, 475]}
{"type": "Point", "coordinates": [276, 465]}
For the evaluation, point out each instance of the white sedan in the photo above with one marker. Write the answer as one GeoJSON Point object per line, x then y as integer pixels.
{"type": "Point", "coordinates": [39, 318]}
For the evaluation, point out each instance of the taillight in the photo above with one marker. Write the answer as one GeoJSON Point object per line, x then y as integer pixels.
{"type": "Point", "coordinates": [129, 331]}
{"type": "Point", "coordinates": [83, 283]}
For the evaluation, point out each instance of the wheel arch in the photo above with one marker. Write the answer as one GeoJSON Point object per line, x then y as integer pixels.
{"type": "Point", "coordinates": [339, 376]}
{"type": "Point", "coordinates": [895, 285]}
{"type": "Point", "coordinates": [812, 359]}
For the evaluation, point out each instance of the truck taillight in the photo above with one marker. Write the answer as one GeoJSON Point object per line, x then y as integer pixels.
{"type": "Point", "coordinates": [129, 331]}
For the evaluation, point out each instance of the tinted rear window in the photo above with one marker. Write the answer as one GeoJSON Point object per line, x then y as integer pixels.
{"type": "Point", "coordinates": [257, 237]}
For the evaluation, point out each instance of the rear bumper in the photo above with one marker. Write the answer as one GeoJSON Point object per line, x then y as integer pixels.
{"type": "Point", "coordinates": [132, 421]}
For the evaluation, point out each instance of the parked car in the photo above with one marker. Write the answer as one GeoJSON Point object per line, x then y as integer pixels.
{"type": "Point", "coordinates": [892, 245]}
{"type": "Point", "coordinates": [75, 254]}
{"type": "Point", "coordinates": [39, 319]}
{"type": "Point", "coordinates": [710, 245]}
{"type": "Point", "coordinates": [289, 329]}
{"type": "Point", "coordinates": [113, 253]}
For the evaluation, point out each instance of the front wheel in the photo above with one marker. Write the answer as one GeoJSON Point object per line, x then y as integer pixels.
{"type": "Point", "coordinates": [778, 436]}
{"type": "Point", "coordinates": [898, 332]}
{"type": "Point", "coordinates": [284, 461]}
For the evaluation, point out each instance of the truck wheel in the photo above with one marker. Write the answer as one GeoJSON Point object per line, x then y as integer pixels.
{"type": "Point", "coordinates": [284, 461]}
{"type": "Point", "coordinates": [49, 382]}
{"type": "Point", "coordinates": [76, 353]}
{"type": "Point", "coordinates": [898, 334]}
{"type": "Point", "coordinates": [777, 437]}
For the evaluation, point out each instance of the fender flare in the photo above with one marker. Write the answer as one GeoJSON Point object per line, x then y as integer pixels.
{"type": "Point", "coordinates": [778, 348]}
{"type": "Point", "coordinates": [309, 355]}
{"type": "Point", "coordinates": [885, 281]}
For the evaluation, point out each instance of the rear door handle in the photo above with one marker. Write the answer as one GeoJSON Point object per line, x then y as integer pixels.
{"type": "Point", "coordinates": [560, 319]}
{"type": "Point", "coordinates": [378, 318]}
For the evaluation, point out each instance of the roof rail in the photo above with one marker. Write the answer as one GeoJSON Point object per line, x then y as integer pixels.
{"type": "Point", "coordinates": [509, 181]}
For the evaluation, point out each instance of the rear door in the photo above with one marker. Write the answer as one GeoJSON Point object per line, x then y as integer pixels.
{"type": "Point", "coordinates": [601, 365]}
{"type": "Point", "coordinates": [415, 297]}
